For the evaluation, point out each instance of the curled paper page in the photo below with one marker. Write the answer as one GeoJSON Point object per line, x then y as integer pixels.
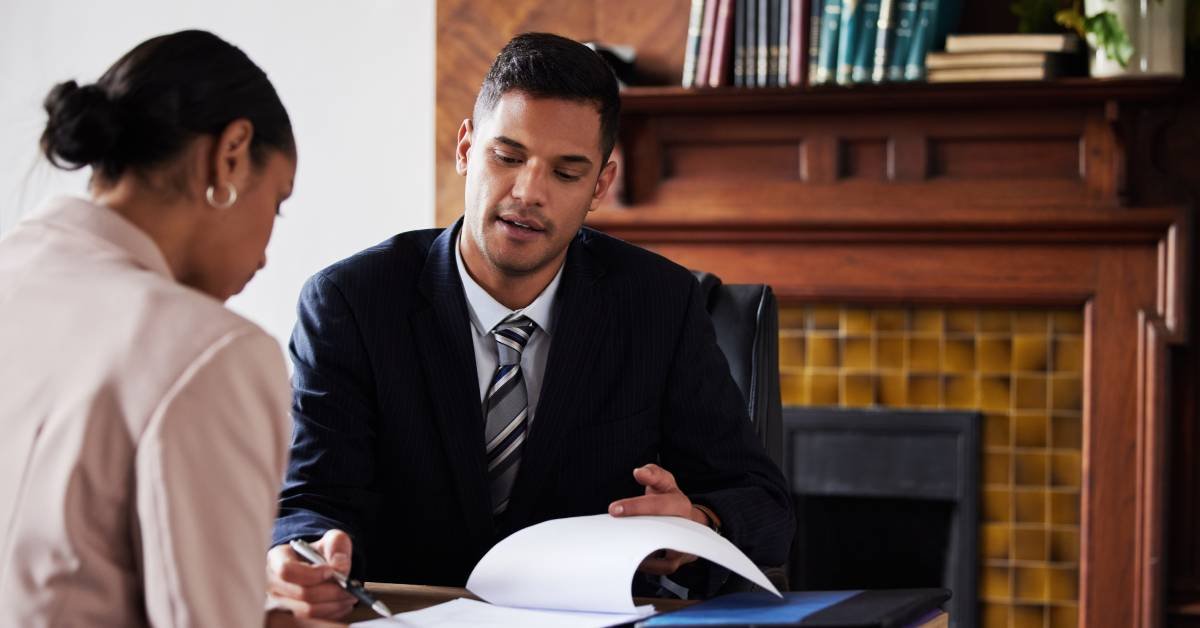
{"type": "Point", "coordinates": [587, 563]}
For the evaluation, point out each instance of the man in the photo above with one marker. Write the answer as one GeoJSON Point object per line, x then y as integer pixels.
{"type": "Point", "coordinates": [455, 385]}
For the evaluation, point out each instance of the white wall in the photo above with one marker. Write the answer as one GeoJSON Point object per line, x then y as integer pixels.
{"type": "Point", "coordinates": [357, 78]}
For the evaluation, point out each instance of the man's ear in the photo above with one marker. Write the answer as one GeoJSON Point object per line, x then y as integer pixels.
{"type": "Point", "coordinates": [464, 146]}
{"type": "Point", "coordinates": [603, 183]}
{"type": "Point", "coordinates": [230, 162]}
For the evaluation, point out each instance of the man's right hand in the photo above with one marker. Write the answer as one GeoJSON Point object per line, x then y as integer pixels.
{"type": "Point", "coordinates": [309, 590]}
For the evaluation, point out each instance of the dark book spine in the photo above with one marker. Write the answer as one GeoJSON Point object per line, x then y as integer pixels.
{"type": "Point", "coordinates": [707, 28]}
{"type": "Point", "coordinates": [692, 49]}
{"type": "Point", "coordinates": [906, 18]}
{"type": "Point", "coordinates": [764, 42]}
{"type": "Point", "coordinates": [750, 60]}
{"type": "Point", "coordinates": [885, 31]}
{"type": "Point", "coordinates": [847, 40]}
{"type": "Point", "coordinates": [739, 43]}
{"type": "Point", "coordinates": [719, 76]}
{"type": "Point", "coordinates": [864, 57]}
{"type": "Point", "coordinates": [817, 10]}
{"type": "Point", "coordinates": [784, 31]}
{"type": "Point", "coordinates": [923, 34]}
{"type": "Point", "coordinates": [831, 23]}
{"type": "Point", "coordinates": [798, 43]}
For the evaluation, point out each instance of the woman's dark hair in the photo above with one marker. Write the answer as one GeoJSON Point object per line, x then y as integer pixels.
{"type": "Point", "coordinates": [550, 66]}
{"type": "Point", "coordinates": [153, 100]}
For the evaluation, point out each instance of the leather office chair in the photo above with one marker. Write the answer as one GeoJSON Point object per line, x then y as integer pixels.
{"type": "Point", "coordinates": [746, 319]}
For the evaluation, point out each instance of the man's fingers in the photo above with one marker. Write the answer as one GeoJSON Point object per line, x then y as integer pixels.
{"type": "Point", "coordinates": [337, 548]}
{"type": "Point", "coordinates": [665, 563]}
{"type": "Point", "coordinates": [327, 591]}
{"type": "Point", "coordinates": [284, 564]}
{"type": "Point", "coordinates": [322, 610]}
{"type": "Point", "coordinates": [653, 504]}
{"type": "Point", "coordinates": [655, 478]}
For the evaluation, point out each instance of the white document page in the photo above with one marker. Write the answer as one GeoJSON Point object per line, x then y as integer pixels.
{"type": "Point", "coordinates": [464, 613]}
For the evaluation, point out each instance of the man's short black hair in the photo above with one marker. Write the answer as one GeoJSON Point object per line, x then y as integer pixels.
{"type": "Point", "coordinates": [544, 65]}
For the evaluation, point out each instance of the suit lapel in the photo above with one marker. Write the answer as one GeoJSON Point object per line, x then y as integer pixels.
{"type": "Point", "coordinates": [579, 331]}
{"type": "Point", "coordinates": [443, 338]}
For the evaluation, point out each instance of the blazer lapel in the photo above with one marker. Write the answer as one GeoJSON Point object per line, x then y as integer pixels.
{"type": "Point", "coordinates": [443, 338]}
{"type": "Point", "coordinates": [578, 334]}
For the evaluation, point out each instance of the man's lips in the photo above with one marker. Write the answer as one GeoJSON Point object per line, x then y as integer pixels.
{"type": "Point", "coordinates": [524, 224]}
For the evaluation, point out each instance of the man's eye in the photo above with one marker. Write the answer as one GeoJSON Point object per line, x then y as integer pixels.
{"type": "Point", "coordinates": [505, 159]}
{"type": "Point", "coordinates": [566, 176]}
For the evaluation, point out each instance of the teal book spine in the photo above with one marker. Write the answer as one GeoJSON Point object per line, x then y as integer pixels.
{"type": "Point", "coordinates": [831, 22]}
{"type": "Point", "coordinates": [864, 57]}
{"type": "Point", "coordinates": [885, 31]}
{"type": "Point", "coordinates": [906, 17]}
{"type": "Point", "coordinates": [923, 34]}
{"type": "Point", "coordinates": [848, 40]}
{"type": "Point", "coordinates": [814, 39]}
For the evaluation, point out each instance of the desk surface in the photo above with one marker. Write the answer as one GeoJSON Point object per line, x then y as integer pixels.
{"type": "Point", "coordinates": [401, 598]}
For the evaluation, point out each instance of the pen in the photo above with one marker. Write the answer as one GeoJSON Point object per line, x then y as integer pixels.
{"type": "Point", "coordinates": [352, 586]}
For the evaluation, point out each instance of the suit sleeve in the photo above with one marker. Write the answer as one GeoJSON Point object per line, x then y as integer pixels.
{"type": "Point", "coordinates": [711, 448]}
{"type": "Point", "coordinates": [208, 468]}
{"type": "Point", "coordinates": [334, 414]}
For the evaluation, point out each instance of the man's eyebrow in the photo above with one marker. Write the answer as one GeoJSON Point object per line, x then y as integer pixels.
{"type": "Point", "coordinates": [508, 141]}
{"type": "Point", "coordinates": [577, 159]}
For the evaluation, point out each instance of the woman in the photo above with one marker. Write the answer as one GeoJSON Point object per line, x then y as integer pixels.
{"type": "Point", "coordinates": [145, 425]}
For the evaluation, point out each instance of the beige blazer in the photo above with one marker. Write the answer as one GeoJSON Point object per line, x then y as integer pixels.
{"type": "Point", "coordinates": [143, 434]}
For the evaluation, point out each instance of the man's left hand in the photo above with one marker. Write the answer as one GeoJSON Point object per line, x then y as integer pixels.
{"type": "Point", "coordinates": [662, 497]}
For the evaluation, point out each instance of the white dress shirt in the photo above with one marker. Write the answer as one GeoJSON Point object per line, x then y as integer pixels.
{"type": "Point", "coordinates": [486, 312]}
{"type": "Point", "coordinates": [145, 432]}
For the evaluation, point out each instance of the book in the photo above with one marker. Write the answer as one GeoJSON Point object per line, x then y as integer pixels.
{"type": "Point", "coordinates": [848, 40]}
{"type": "Point", "coordinates": [692, 45]}
{"type": "Point", "coordinates": [1014, 73]}
{"type": "Point", "coordinates": [914, 66]}
{"type": "Point", "coordinates": [783, 32]}
{"type": "Point", "coordinates": [831, 23]}
{"type": "Point", "coordinates": [864, 57]}
{"type": "Point", "coordinates": [944, 60]}
{"type": "Point", "coordinates": [816, 10]}
{"type": "Point", "coordinates": [878, 608]}
{"type": "Point", "coordinates": [885, 30]}
{"type": "Point", "coordinates": [722, 45]}
{"type": "Point", "coordinates": [576, 572]}
{"type": "Point", "coordinates": [750, 59]}
{"type": "Point", "coordinates": [739, 43]}
{"type": "Point", "coordinates": [906, 18]}
{"type": "Point", "coordinates": [703, 58]}
{"type": "Point", "coordinates": [1064, 42]}
{"type": "Point", "coordinates": [763, 34]}
{"type": "Point", "coordinates": [799, 47]}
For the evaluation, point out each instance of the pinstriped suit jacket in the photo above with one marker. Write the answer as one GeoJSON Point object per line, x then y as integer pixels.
{"type": "Point", "coordinates": [388, 439]}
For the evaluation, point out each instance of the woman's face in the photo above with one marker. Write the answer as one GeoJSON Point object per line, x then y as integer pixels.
{"type": "Point", "coordinates": [234, 243]}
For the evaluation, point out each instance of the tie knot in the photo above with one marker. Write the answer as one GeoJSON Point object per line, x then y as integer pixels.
{"type": "Point", "coordinates": [511, 338]}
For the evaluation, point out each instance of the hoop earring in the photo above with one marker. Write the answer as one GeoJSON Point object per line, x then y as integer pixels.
{"type": "Point", "coordinates": [210, 197]}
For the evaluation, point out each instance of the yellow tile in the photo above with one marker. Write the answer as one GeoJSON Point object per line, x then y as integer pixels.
{"type": "Point", "coordinates": [1030, 393]}
{"type": "Point", "coordinates": [960, 392]}
{"type": "Point", "coordinates": [1029, 544]}
{"type": "Point", "coordinates": [1066, 432]}
{"type": "Point", "coordinates": [856, 322]}
{"type": "Point", "coordinates": [994, 393]}
{"type": "Point", "coordinates": [923, 391]}
{"type": "Point", "coordinates": [1064, 616]}
{"type": "Point", "coordinates": [1030, 322]}
{"type": "Point", "coordinates": [1062, 584]}
{"type": "Point", "coordinates": [1028, 617]}
{"type": "Point", "coordinates": [994, 354]}
{"type": "Point", "coordinates": [1029, 353]}
{"type": "Point", "coordinates": [822, 389]}
{"type": "Point", "coordinates": [891, 320]}
{"type": "Point", "coordinates": [994, 583]}
{"type": "Point", "coordinates": [1030, 430]}
{"type": "Point", "coordinates": [793, 317]}
{"type": "Point", "coordinates": [791, 388]}
{"type": "Point", "coordinates": [856, 353]}
{"type": "Point", "coordinates": [995, 321]}
{"type": "Point", "coordinates": [997, 505]}
{"type": "Point", "coordinates": [996, 468]}
{"type": "Point", "coordinates": [892, 389]}
{"type": "Point", "coordinates": [824, 317]}
{"type": "Point", "coordinates": [1066, 468]}
{"type": "Point", "coordinates": [928, 321]}
{"type": "Point", "coordinates": [1029, 506]}
{"type": "Point", "coordinates": [1068, 354]}
{"type": "Point", "coordinates": [791, 350]}
{"type": "Point", "coordinates": [1029, 583]}
{"type": "Point", "coordinates": [1068, 322]}
{"type": "Point", "coordinates": [1064, 546]}
{"type": "Point", "coordinates": [923, 354]}
{"type": "Point", "coordinates": [858, 390]}
{"type": "Point", "coordinates": [822, 351]}
{"type": "Point", "coordinates": [993, 615]}
{"type": "Point", "coordinates": [1030, 468]}
{"type": "Point", "coordinates": [993, 540]}
{"type": "Point", "coordinates": [1066, 392]}
{"type": "Point", "coordinates": [961, 321]}
{"type": "Point", "coordinates": [889, 353]}
{"type": "Point", "coordinates": [958, 355]}
{"type": "Point", "coordinates": [1064, 508]}
{"type": "Point", "coordinates": [997, 430]}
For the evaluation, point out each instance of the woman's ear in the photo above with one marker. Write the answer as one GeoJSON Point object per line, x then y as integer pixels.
{"type": "Point", "coordinates": [231, 165]}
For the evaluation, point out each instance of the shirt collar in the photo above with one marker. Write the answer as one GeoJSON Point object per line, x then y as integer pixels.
{"type": "Point", "coordinates": [85, 216]}
{"type": "Point", "coordinates": [486, 312]}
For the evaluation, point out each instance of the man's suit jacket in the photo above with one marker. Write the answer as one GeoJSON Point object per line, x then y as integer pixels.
{"type": "Point", "coordinates": [388, 439]}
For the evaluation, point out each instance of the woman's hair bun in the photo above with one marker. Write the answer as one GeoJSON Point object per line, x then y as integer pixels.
{"type": "Point", "coordinates": [83, 126]}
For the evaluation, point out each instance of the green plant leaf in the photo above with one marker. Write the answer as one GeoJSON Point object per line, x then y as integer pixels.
{"type": "Point", "coordinates": [1108, 34]}
{"type": "Point", "coordinates": [1072, 19]}
{"type": "Point", "coordinates": [1034, 16]}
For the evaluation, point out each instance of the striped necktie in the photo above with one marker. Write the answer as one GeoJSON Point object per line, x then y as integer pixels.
{"type": "Point", "coordinates": [506, 408]}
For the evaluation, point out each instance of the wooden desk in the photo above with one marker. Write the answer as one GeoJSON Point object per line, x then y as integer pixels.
{"type": "Point", "coordinates": [402, 598]}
